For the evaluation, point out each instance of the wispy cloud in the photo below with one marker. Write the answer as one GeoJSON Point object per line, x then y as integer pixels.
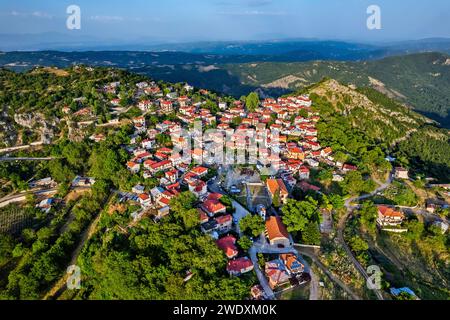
{"type": "Point", "coordinates": [255, 13]}
{"type": "Point", "coordinates": [36, 14]}
{"type": "Point", "coordinates": [107, 18]}
{"type": "Point", "coordinates": [112, 19]}
{"type": "Point", "coordinates": [248, 3]}
{"type": "Point", "coordinates": [259, 3]}
{"type": "Point", "coordinates": [41, 14]}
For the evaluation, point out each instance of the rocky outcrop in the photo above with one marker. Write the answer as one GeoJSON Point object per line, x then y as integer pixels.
{"type": "Point", "coordinates": [38, 122]}
{"type": "Point", "coordinates": [8, 133]}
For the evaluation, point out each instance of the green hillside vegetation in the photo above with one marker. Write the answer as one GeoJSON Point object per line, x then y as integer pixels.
{"type": "Point", "coordinates": [41, 256]}
{"type": "Point", "coordinates": [363, 125]}
{"type": "Point", "coordinates": [150, 261]}
{"type": "Point", "coordinates": [417, 258]}
{"type": "Point", "coordinates": [420, 80]}
{"type": "Point", "coordinates": [427, 150]}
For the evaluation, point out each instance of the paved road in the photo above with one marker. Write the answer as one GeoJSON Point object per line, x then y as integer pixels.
{"type": "Point", "coordinates": [262, 246]}
{"type": "Point", "coordinates": [23, 196]}
{"type": "Point", "coordinates": [314, 286]}
{"type": "Point", "coordinates": [11, 149]}
{"type": "Point", "coordinates": [382, 187]}
{"type": "Point", "coordinates": [61, 284]}
{"type": "Point", "coordinates": [261, 277]}
{"type": "Point", "coordinates": [240, 211]}
{"type": "Point", "coordinates": [355, 262]}
{"type": "Point", "coordinates": [343, 221]}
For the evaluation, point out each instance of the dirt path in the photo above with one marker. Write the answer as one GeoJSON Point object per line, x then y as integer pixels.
{"type": "Point", "coordinates": [321, 266]}
{"type": "Point", "coordinates": [60, 286]}
{"type": "Point", "coordinates": [314, 286]}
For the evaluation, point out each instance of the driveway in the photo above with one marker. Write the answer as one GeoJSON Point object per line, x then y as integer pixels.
{"type": "Point", "coordinates": [262, 246]}
{"type": "Point", "coordinates": [240, 211]}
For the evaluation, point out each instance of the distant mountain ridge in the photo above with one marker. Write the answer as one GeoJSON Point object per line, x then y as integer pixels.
{"type": "Point", "coordinates": [303, 49]}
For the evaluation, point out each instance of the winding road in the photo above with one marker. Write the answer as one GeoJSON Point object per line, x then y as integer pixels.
{"type": "Point", "coordinates": [343, 222]}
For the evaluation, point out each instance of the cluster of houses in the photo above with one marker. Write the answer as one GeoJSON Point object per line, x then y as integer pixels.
{"type": "Point", "coordinates": [283, 270]}
{"type": "Point", "coordinates": [269, 125]}
{"type": "Point", "coordinates": [236, 265]}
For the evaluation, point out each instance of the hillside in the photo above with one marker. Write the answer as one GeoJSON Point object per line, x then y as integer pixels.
{"type": "Point", "coordinates": [420, 80]}
{"type": "Point", "coordinates": [374, 119]}
{"type": "Point", "coordinates": [355, 120]}
{"type": "Point", "coordinates": [125, 254]}
{"type": "Point", "coordinates": [379, 120]}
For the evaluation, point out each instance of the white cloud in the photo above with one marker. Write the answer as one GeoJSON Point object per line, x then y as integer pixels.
{"type": "Point", "coordinates": [107, 18]}
{"type": "Point", "coordinates": [41, 14]}
{"type": "Point", "coordinates": [255, 13]}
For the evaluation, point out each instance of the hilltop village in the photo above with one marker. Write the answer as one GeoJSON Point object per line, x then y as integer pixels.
{"type": "Point", "coordinates": [253, 176]}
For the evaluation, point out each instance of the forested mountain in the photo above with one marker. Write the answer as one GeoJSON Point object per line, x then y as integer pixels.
{"type": "Point", "coordinates": [357, 120]}
{"type": "Point", "coordinates": [419, 80]}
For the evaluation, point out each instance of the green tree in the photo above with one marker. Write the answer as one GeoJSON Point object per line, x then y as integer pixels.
{"type": "Point", "coordinates": [252, 101]}
{"type": "Point", "coordinates": [261, 260]}
{"type": "Point", "coordinates": [252, 225]}
{"type": "Point", "coordinates": [7, 245]}
{"type": "Point", "coordinates": [358, 244]}
{"type": "Point", "coordinates": [276, 202]}
{"type": "Point", "coordinates": [297, 214]}
{"type": "Point", "coordinates": [236, 121]}
{"type": "Point", "coordinates": [245, 243]}
{"type": "Point", "coordinates": [369, 215]}
{"type": "Point", "coordinates": [415, 229]}
{"type": "Point", "coordinates": [311, 235]}
{"type": "Point", "coordinates": [337, 201]}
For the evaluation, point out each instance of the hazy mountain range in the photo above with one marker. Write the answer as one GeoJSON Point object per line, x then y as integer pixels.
{"type": "Point", "coordinates": [277, 50]}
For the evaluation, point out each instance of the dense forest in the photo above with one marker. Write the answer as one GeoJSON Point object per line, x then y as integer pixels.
{"type": "Point", "coordinates": [151, 260]}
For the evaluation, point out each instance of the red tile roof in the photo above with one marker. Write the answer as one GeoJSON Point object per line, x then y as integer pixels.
{"type": "Point", "coordinates": [227, 245]}
{"type": "Point", "coordinates": [213, 206]}
{"type": "Point", "coordinates": [214, 196]}
{"type": "Point", "coordinates": [276, 184]}
{"type": "Point", "coordinates": [276, 229]}
{"type": "Point", "coordinates": [224, 219]}
{"type": "Point", "coordinates": [239, 265]}
{"type": "Point", "coordinates": [389, 212]}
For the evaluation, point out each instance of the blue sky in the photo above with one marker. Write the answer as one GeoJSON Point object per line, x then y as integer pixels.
{"type": "Point", "coordinates": [197, 20]}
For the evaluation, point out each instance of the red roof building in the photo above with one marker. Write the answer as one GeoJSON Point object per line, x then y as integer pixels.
{"type": "Point", "coordinates": [213, 207]}
{"type": "Point", "coordinates": [227, 245]}
{"type": "Point", "coordinates": [239, 266]}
